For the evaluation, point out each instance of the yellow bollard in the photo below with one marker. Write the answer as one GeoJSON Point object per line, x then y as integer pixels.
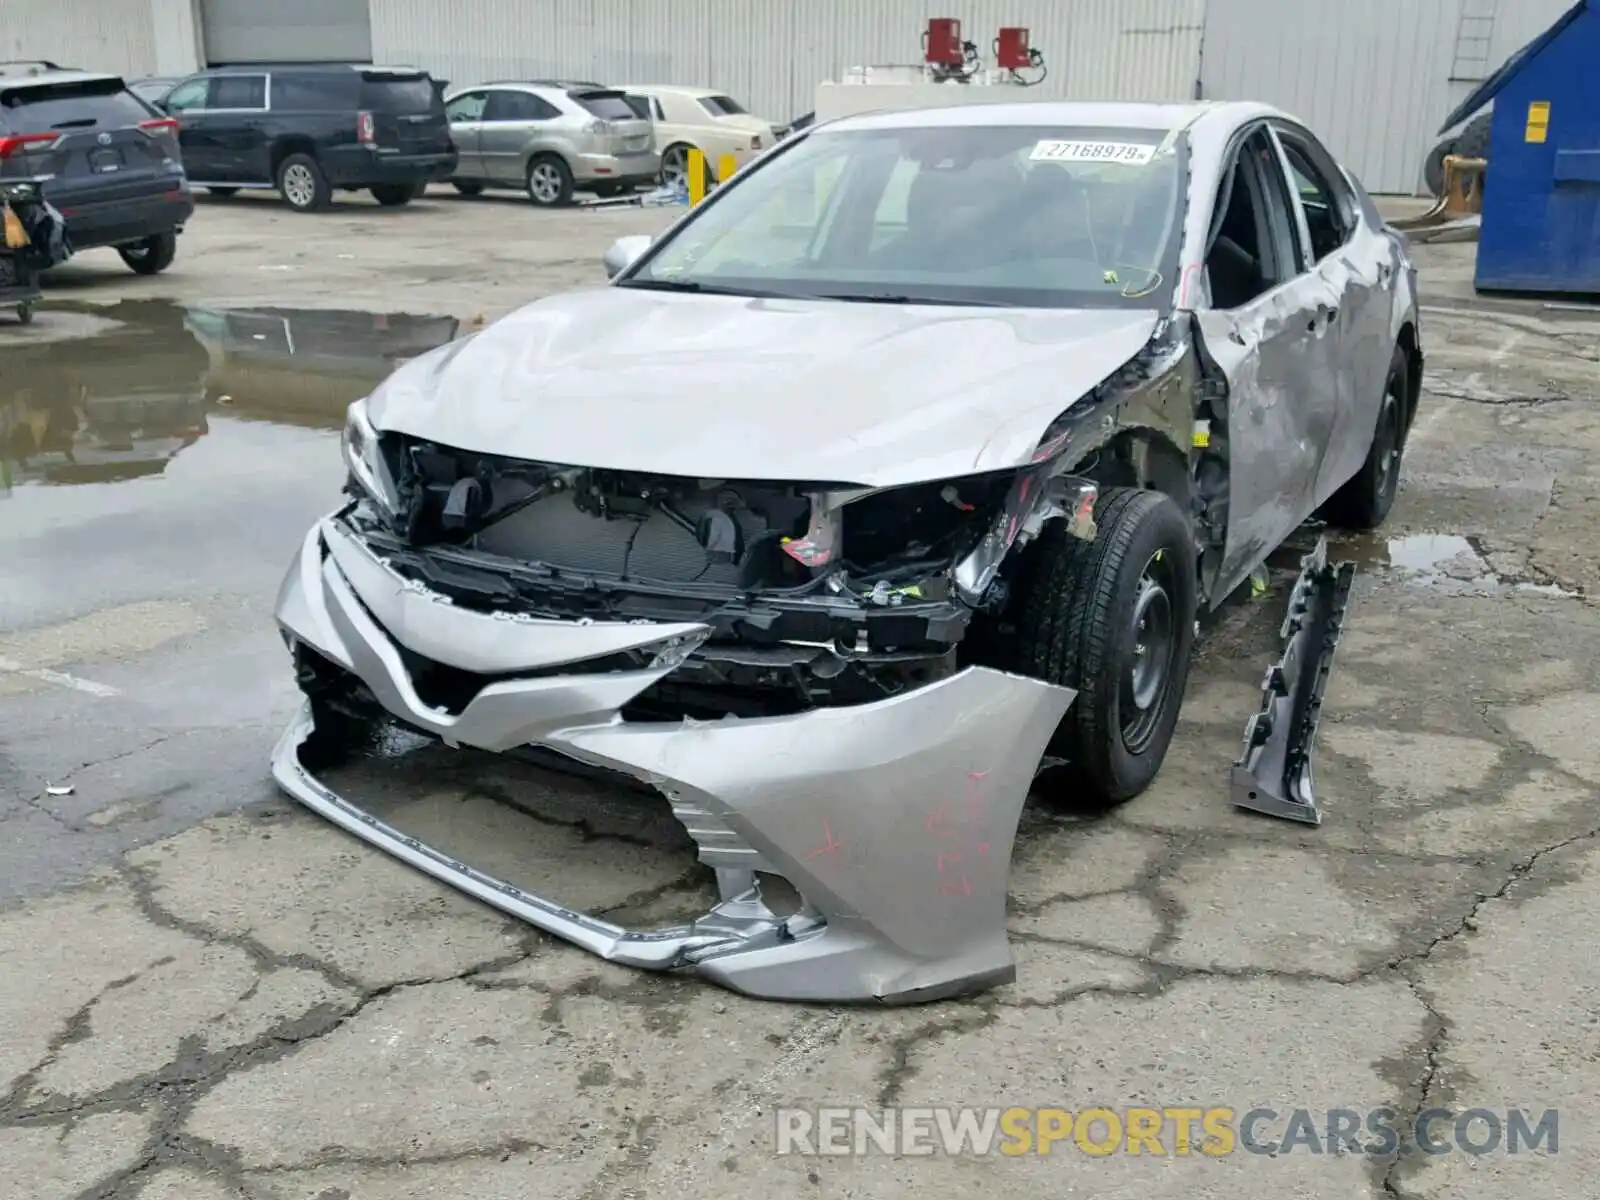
{"type": "Point", "coordinates": [726, 166]}
{"type": "Point", "coordinates": [697, 176]}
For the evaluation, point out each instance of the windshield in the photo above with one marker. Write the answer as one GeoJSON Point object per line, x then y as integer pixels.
{"type": "Point", "coordinates": [402, 95]}
{"type": "Point", "coordinates": [608, 106]}
{"type": "Point", "coordinates": [1029, 216]}
{"type": "Point", "coordinates": [100, 102]}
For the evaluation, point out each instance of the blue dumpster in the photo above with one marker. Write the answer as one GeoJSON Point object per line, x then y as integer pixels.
{"type": "Point", "coordinates": [1541, 201]}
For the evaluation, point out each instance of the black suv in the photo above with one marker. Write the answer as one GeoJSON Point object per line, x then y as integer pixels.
{"type": "Point", "coordinates": [105, 159]}
{"type": "Point", "coordinates": [308, 129]}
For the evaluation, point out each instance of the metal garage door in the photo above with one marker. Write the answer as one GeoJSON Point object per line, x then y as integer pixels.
{"type": "Point", "coordinates": [236, 31]}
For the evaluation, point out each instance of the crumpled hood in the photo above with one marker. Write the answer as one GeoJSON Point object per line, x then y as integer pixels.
{"type": "Point", "coordinates": [719, 387]}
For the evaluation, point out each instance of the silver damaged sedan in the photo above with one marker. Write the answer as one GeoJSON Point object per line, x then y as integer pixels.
{"type": "Point", "coordinates": [890, 475]}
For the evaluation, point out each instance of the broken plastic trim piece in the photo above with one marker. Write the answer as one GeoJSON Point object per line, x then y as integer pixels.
{"type": "Point", "coordinates": [1273, 775]}
{"type": "Point", "coordinates": [1034, 499]}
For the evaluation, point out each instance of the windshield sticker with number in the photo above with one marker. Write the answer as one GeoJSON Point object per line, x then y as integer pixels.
{"type": "Point", "coordinates": [1129, 153]}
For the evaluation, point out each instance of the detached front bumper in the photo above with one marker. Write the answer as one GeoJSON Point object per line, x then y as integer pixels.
{"type": "Point", "coordinates": [894, 821]}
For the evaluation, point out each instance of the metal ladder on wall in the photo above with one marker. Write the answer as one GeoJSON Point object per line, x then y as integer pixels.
{"type": "Point", "coordinates": [1474, 39]}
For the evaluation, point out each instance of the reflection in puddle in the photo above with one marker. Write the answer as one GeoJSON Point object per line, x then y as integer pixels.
{"type": "Point", "coordinates": [121, 405]}
{"type": "Point", "coordinates": [1444, 561]}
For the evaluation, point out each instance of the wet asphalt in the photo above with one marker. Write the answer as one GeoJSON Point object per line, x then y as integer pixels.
{"type": "Point", "coordinates": [160, 469]}
{"type": "Point", "coordinates": [206, 993]}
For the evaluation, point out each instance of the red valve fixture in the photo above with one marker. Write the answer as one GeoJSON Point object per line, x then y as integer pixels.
{"type": "Point", "coordinates": [941, 44]}
{"type": "Point", "coordinates": [1011, 50]}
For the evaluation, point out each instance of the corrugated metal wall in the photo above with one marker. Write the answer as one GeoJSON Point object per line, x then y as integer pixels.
{"type": "Point", "coordinates": [1371, 76]}
{"type": "Point", "coordinates": [771, 54]}
{"type": "Point", "coordinates": [98, 35]}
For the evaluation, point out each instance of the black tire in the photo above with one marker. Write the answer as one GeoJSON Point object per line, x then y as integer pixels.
{"type": "Point", "coordinates": [25, 313]}
{"type": "Point", "coordinates": [395, 195]}
{"type": "Point", "coordinates": [1433, 168]}
{"type": "Point", "coordinates": [223, 193]}
{"type": "Point", "coordinates": [1364, 502]}
{"type": "Point", "coordinates": [337, 737]}
{"type": "Point", "coordinates": [1078, 625]}
{"type": "Point", "coordinates": [1473, 141]}
{"type": "Point", "coordinates": [469, 189]}
{"type": "Point", "coordinates": [151, 256]}
{"type": "Point", "coordinates": [302, 184]}
{"type": "Point", "coordinates": [549, 182]}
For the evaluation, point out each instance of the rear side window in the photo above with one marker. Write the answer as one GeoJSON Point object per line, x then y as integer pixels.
{"type": "Point", "coordinates": [640, 106]}
{"type": "Point", "coordinates": [722, 106]}
{"type": "Point", "coordinates": [329, 92]}
{"type": "Point", "coordinates": [608, 106]}
{"type": "Point", "coordinates": [406, 95]}
{"type": "Point", "coordinates": [238, 91]}
{"type": "Point", "coordinates": [519, 106]}
{"type": "Point", "coordinates": [76, 105]}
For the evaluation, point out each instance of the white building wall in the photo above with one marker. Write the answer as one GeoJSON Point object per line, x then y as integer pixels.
{"type": "Point", "coordinates": [99, 35]}
{"type": "Point", "coordinates": [771, 54]}
{"type": "Point", "coordinates": [1373, 77]}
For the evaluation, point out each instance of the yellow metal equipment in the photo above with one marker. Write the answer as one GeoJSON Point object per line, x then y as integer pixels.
{"type": "Point", "coordinates": [1462, 195]}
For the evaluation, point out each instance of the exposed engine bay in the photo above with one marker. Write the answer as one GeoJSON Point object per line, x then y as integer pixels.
{"type": "Point", "coordinates": [815, 594]}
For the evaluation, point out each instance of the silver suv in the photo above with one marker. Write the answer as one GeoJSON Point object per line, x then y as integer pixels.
{"type": "Point", "coordinates": [552, 139]}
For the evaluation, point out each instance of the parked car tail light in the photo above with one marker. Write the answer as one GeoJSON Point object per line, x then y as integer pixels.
{"type": "Point", "coordinates": [17, 143]}
{"type": "Point", "coordinates": [755, 142]}
{"type": "Point", "coordinates": [160, 125]}
{"type": "Point", "coordinates": [366, 133]}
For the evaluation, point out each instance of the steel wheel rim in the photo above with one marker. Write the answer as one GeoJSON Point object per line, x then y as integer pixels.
{"type": "Point", "coordinates": [544, 181]}
{"type": "Point", "coordinates": [1153, 630]}
{"type": "Point", "coordinates": [1388, 443]}
{"type": "Point", "coordinates": [674, 166]}
{"type": "Point", "coordinates": [142, 250]}
{"type": "Point", "coordinates": [298, 185]}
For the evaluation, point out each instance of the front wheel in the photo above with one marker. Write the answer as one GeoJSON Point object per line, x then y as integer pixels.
{"type": "Point", "coordinates": [151, 256]}
{"type": "Point", "coordinates": [1364, 502]}
{"type": "Point", "coordinates": [1113, 618]}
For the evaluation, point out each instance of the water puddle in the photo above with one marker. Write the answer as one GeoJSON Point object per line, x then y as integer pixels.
{"type": "Point", "coordinates": [1449, 563]}
{"type": "Point", "coordinates": [164, 381]}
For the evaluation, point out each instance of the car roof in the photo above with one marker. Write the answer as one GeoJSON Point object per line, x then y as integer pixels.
{"type": "Point", "coordinates": [48, 77]}
{"type": "Point", "coordinates": [552, 85]}
{"type": "Point", "coordinates": [309, 68]}
{"type": "Point", "coordinates": [646, 89]}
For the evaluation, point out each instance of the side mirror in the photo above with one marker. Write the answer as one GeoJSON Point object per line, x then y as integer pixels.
{"type": "Point", "coordinates": [624, 252]}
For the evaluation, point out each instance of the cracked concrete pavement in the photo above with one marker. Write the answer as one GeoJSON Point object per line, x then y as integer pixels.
{"type": "Point", "coordinates": [206, 993]}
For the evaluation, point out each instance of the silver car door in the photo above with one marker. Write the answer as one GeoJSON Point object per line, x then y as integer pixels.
{"type": "Point", "coordinates": [513, 126]}
{"type": "Point", "coordinates": [501, 137]}
{"type": "Point", "coordinates": [466, 122]}
{"type": "Point", "coordinates": [1352, 264]}
{"type": "Point", "coordinates": [1259, 327]}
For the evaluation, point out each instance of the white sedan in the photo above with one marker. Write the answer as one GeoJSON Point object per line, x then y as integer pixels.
{"type": "Point", "coordinates": [702, 119]}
